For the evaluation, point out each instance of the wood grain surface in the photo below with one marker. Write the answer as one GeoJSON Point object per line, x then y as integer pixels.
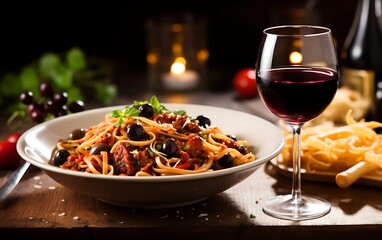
{"type": "Point", "coordinates": [40, 208]}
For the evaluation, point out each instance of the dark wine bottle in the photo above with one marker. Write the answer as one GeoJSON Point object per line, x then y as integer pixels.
{"type": "Point", "coordinates": [362, 56]}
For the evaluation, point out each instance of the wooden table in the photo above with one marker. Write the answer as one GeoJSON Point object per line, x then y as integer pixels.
{"type": "Point", "coordinates": [41, 208]}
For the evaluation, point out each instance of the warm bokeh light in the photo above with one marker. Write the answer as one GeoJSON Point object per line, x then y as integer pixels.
{"type": "Point", "coordinates": [178, 67]}
{"type": "Point", "coordinates": [203, 55]}
{"type": "Point", "coordinates": [152, 58]}
{"type": "Point", "coordinates": [177, 27]}
{"type": "Point", "coordinates": [295, 57]}
{"type": "Point", "coordinates": [176, 98]}
{"type": "Point", "coordinates": [181, 60]}
{"type": "Point", "coordinates": [177, 49]}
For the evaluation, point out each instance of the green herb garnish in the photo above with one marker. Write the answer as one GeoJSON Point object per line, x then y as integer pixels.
{"type": "Point", "coordinates": [180, 112]}
{"type": "Point", "coordinates": [151, 153]}
{"type": "Point", "coordinates": [133, 110]}
{"type": "Point", "coordinates": [186, 147]}
{"type": "Point", "coordinates": [122, 114]}
{"type": "Point", "coordinates": [202, 135]}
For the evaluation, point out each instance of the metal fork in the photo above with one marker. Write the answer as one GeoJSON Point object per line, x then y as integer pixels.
{"type": "Point", "coordinates": [12, 181]}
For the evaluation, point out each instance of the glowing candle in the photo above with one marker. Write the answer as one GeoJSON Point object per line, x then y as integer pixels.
{"type": "Point", "coordinates": [295, 57]}
{"type": "Point", "coordinates": [179, 78]}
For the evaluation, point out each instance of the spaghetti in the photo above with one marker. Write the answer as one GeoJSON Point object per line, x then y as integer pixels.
{"type": "Point", "coordinates": [147, 139]}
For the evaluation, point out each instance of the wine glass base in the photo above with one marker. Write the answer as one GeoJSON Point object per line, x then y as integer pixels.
{"type": "Point", "coordinates": [310, 207]}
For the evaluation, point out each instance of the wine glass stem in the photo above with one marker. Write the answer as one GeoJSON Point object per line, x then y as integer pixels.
{"type": "Point", "coordinates": [296, 146]}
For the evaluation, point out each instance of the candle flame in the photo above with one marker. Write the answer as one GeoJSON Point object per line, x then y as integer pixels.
{"type": "Point", "coordinates": [295, 57]}
{"type": "Point", "coordinates": [179, 65]}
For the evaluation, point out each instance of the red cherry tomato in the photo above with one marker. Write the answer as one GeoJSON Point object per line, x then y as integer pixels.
{"type": "Point", "coordinates": [13, 137]}
{"type": "Point", "coordinates": [9, 157]}
{"type": "Point", "coordinates": [244, 83]}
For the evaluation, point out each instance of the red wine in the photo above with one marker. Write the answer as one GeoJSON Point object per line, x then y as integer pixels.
{"type": "Point", "coordinates": [297, 94]}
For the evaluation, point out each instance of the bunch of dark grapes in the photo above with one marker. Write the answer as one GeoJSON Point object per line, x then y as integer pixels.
{"type": "Point", "coordinates": [50, 103]}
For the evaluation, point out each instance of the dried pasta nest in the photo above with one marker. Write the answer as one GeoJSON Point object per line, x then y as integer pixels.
{"type": "Point", "coordinates": [345, 99]}
{"type": "Point", "coordinates": [350, 150]}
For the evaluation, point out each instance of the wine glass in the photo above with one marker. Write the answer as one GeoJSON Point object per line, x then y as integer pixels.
{"type": "Point", "coordinates": [297, 77]}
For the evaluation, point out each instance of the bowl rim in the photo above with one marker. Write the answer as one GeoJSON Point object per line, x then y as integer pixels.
{"type": "Point", "coordinates": [45, 166]}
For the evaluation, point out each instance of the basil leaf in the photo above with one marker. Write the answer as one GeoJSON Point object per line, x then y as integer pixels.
{"type": "Point", "coordinates": [131, 112]}
{"type": "Point", "coordinates": [75, 59]}
{"type": "Point", "coordinates": [180, 112]}
{"type": "Point", "coordinates": [155, 102]}
{"type": "Point", "coordinates": [47, 62]}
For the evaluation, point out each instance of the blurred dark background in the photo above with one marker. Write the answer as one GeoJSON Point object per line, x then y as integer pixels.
{"type": "Point", "coordinates": [115, 30]}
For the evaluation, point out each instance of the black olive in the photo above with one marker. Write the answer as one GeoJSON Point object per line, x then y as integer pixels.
{"type": "Point", "coordinates": [204, 121]}
{"type": "Point", "coordinates": [146, 110]}
{"type": "Point", "coordinates": [226, 161]}
{"type": "Point", "coordinates": [60, 157]}
{"type": "Point", "coordinates": [233, 137]}
{"type": "Point", "coordinates": [169, 147]}
{"type": "Point", "coordinates": [76, 106]}
{"type": "Point", "coordinates": [136, 132]}
{"type": "Point", "coordinates": [98, 148]}
{"type": "Point", "coordinates": [77, 134]}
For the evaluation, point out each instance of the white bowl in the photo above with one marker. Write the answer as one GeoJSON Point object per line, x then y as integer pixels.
{"type": "Point", "coordinates": [36, 146]}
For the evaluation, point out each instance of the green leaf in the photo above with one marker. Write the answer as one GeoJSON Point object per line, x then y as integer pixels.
{"type": "Point", "coordinates": [75, 59]}
{"type": "Point", "coordinates": [137, 104]}
{"type": "Point", "coordinates": [158, 107]}
{"type": "Point", "coordinates": [62, 76]}
{"type": "Point", "coordinates": [47, 63]}
{"type": "Point", "coordinates": [116, 113]}
{"type": "Point", "coordinates": [74, 94]}
{"type": "Point", "coordinates": [105, 93]}
{"type": "Point", "coordinates": [154, 101]}
{"type": "Point", "coordinates": [180, 112]}
{"type": "Point", "coordinates": [10, 85]}
{"type": "Point", "coordinates": [130, 112]}
{"type": "Point", "coordinates": [29, 80]}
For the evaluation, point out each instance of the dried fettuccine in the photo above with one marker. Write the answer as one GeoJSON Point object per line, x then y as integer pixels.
{"type": "Point", "coordinates": [351, 150]}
